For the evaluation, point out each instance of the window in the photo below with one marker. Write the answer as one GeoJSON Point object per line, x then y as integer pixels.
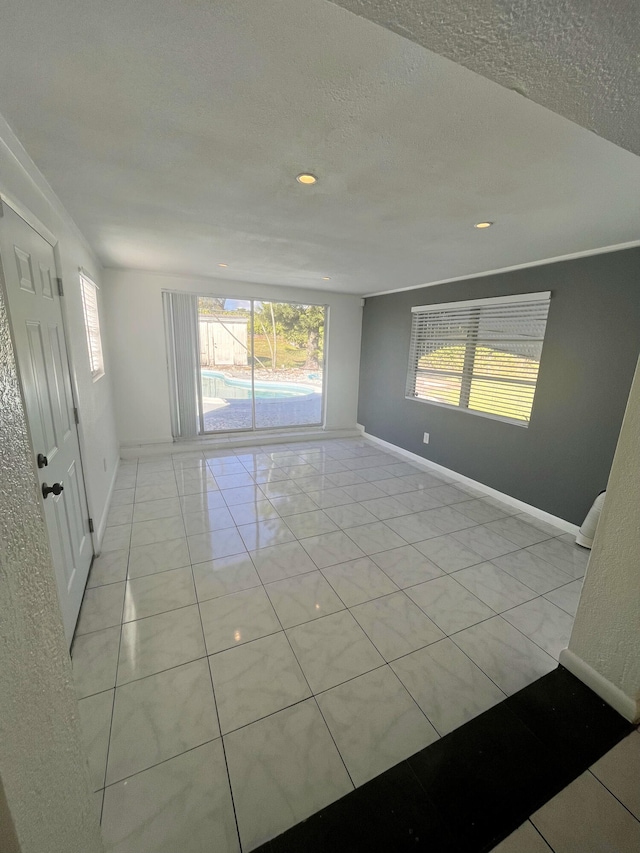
{"type": "Point", "coordinates": [92, 325]}
{"type": "Point", "coordinates": [482, 355]}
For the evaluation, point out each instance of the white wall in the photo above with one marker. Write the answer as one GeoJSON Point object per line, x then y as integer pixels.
{"type": "Point", "coordinates": [138, 352]}
{"type": "Point", "coordinates": [21, 182]}
{"type": "Point", "coordinates": [604, 649]}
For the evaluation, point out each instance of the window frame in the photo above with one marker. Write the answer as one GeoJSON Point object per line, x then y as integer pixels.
{"type": "Point", "coordinates": [93, 331]}
{"type": "Point", "coordinates": [466, 375]}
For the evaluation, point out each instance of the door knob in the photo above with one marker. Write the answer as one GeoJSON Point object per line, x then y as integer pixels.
{"type": "Point", "coordinates": [42, 460]}
{"type": "Point", "coordinates": [47, 490]}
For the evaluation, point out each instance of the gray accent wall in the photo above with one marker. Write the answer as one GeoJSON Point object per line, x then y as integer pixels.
{"type": "Point", "coordinates": [561, 461]}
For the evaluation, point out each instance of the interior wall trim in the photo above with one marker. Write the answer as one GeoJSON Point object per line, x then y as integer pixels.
{"type": "Point", "coordinates": [586, 253]}
{"type": "Point", "coordinates": [561, 523]}
{"type": "Point", "coordinates": [29, 218]}
{"type": "Point", "coordinates": [612, 695]}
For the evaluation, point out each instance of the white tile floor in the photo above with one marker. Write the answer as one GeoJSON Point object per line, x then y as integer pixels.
{"type": "Point", "coordinates": [270, 626]}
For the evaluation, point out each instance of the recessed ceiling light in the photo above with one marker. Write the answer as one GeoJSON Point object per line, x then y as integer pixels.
{"type": "Point", "coordinates": [306, 178]}
{"type": "Point", "coordinates": [483, 225]}
{"type": "Point", "coordinates": [223, 265]}
{"type": "Point", "coordinates": [326, 278]}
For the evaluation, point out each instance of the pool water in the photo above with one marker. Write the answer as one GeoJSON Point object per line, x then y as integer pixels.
{"type": "Point", "coordinates": [217, 385]}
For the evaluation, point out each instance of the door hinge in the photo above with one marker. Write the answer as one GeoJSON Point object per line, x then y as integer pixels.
{"type": "Point", "coordinates": [60, 289]}
{"type": "Point", "coordinates": [75, 415]}
{"type": "Point", "coordinates": [90, 525]}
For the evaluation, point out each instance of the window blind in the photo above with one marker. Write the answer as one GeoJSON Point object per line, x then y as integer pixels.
{"type": "Point", "coordinates": [92, 324]}
{"type": "Point", "coordinates": [181, 327]}
{"type": "Point", "coordinates": [481, 355]}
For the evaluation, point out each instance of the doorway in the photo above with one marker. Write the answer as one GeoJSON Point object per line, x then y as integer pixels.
{"type": "Point", "coordinates": [31, 283]}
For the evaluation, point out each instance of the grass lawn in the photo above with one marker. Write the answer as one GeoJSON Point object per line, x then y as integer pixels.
{"type": "Point", "coordinates": [287, 355]}
{"type": "Point", "coordinates": [507, 399]}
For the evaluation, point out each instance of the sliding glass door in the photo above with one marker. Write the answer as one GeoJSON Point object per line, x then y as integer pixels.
{"type": "Point", "coordinates": [226, 364]}
{"type": "Point", "coordinates": [288, 341]}
{"type": "Point", "coordinates": [260, 364]}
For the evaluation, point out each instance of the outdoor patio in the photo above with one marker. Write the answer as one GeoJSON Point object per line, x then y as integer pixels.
{"type": "Point", "coordinates": [270, 413]}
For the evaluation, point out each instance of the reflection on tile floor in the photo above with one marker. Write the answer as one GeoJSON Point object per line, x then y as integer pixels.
{"type": "Point", "coordinates": [326, 606]}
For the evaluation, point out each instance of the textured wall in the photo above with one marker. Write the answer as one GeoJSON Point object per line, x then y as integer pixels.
{"type": "Point", "coordinates": [606, 632]}
{"type": "Point", "coordinates": [578, 58]}
{"type": "Point", "coordinates": [43, 774]}
{"type": "Point", "coordinates": [562, 460]}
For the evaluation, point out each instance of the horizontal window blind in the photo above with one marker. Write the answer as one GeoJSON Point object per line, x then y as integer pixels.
{"type": "Point", "coordinates": [481, 355]}
{"type": "Point", "coordinates": [92, 325]}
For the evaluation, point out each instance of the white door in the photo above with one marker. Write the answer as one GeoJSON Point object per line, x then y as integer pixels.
{"type": "Point", "coordinates": [29, 270]}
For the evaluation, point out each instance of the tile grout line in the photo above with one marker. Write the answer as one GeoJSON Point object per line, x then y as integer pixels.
{"type": "Point", "coordinates": [144, 677]}
{"type": "Point", "coordinates": [606, 787]}
{"type": "Point", "coordinates": [113, 704]}
{"type": "Point", "coordinates": [213, 690]}
{"type": "Point", "coordinates": [257, 639]}
{"type": "Point", "coordinates": [452, 638]}
{"type": "Point", "coordinates": [528, 820]}
{"type": "Point", "coordinates": [158, 763]}
{"type": "Point", "coordinates": [446, 636]}
{"type": "Point", "coordinates": [311, 692]}
{"type": "Point", "coordinates": [388, 663]}
{"type": "Point", "coordinates": [304, 675]}
{"type": "Point", "coordinates": [537, 595]}
{"type": "Point", "coordinates": [385, 663]}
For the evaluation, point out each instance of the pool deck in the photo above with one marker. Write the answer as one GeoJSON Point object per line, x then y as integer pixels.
{"type": "Point", "coordinates": [224, 415]}
{"type": "Point", "coordinates": [274, 413]}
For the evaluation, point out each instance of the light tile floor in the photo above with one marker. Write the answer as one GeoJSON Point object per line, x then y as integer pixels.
{"type": "Point", "coordinates": [600, 810]}
{"type": "Point", "coordinates": [268, 627]}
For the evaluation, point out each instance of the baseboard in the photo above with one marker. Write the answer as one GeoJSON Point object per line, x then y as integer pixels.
{"type": "Point", "coordinates": [612, 695]}
{"type": "Point", "coordinates": [152, 442]}
{"type": "Point", "coordinates": [231, 440]}
{"type": "Point", "coordinates": [99, 531]}
{"type": "Point", "coordinates": [560, 523]}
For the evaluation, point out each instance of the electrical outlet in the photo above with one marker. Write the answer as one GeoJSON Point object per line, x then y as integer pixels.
{"type": "Point", "coordinates": [425, 438]}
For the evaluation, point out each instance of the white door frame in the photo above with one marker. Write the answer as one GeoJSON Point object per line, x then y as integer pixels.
{"type": "Point", "coordinates": [47, 235]}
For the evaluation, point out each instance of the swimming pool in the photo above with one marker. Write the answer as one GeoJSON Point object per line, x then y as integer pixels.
{"type": "Point", "coordinates": [216, 384]}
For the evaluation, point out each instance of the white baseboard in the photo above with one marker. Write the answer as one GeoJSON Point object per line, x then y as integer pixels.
{"type": "Point", "coordinates": [626, 706]}
{"type": "Point", "coordinates": [99, 530]}
{"type": "Point", "coordinates": [231, 440]}
{"type": "Point", "coordinates": [561, 523]}
{"type": "Point", "coordinates": [140, 442]}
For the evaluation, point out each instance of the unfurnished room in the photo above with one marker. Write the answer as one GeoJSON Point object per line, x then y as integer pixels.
{"type": "Point", "coordinates": [320, 426]}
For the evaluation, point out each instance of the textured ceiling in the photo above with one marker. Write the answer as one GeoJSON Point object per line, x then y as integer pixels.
{"type": "Point", "coordinates": [173, 133]}
{"type": "Point", "coordinates": [579, 58]}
